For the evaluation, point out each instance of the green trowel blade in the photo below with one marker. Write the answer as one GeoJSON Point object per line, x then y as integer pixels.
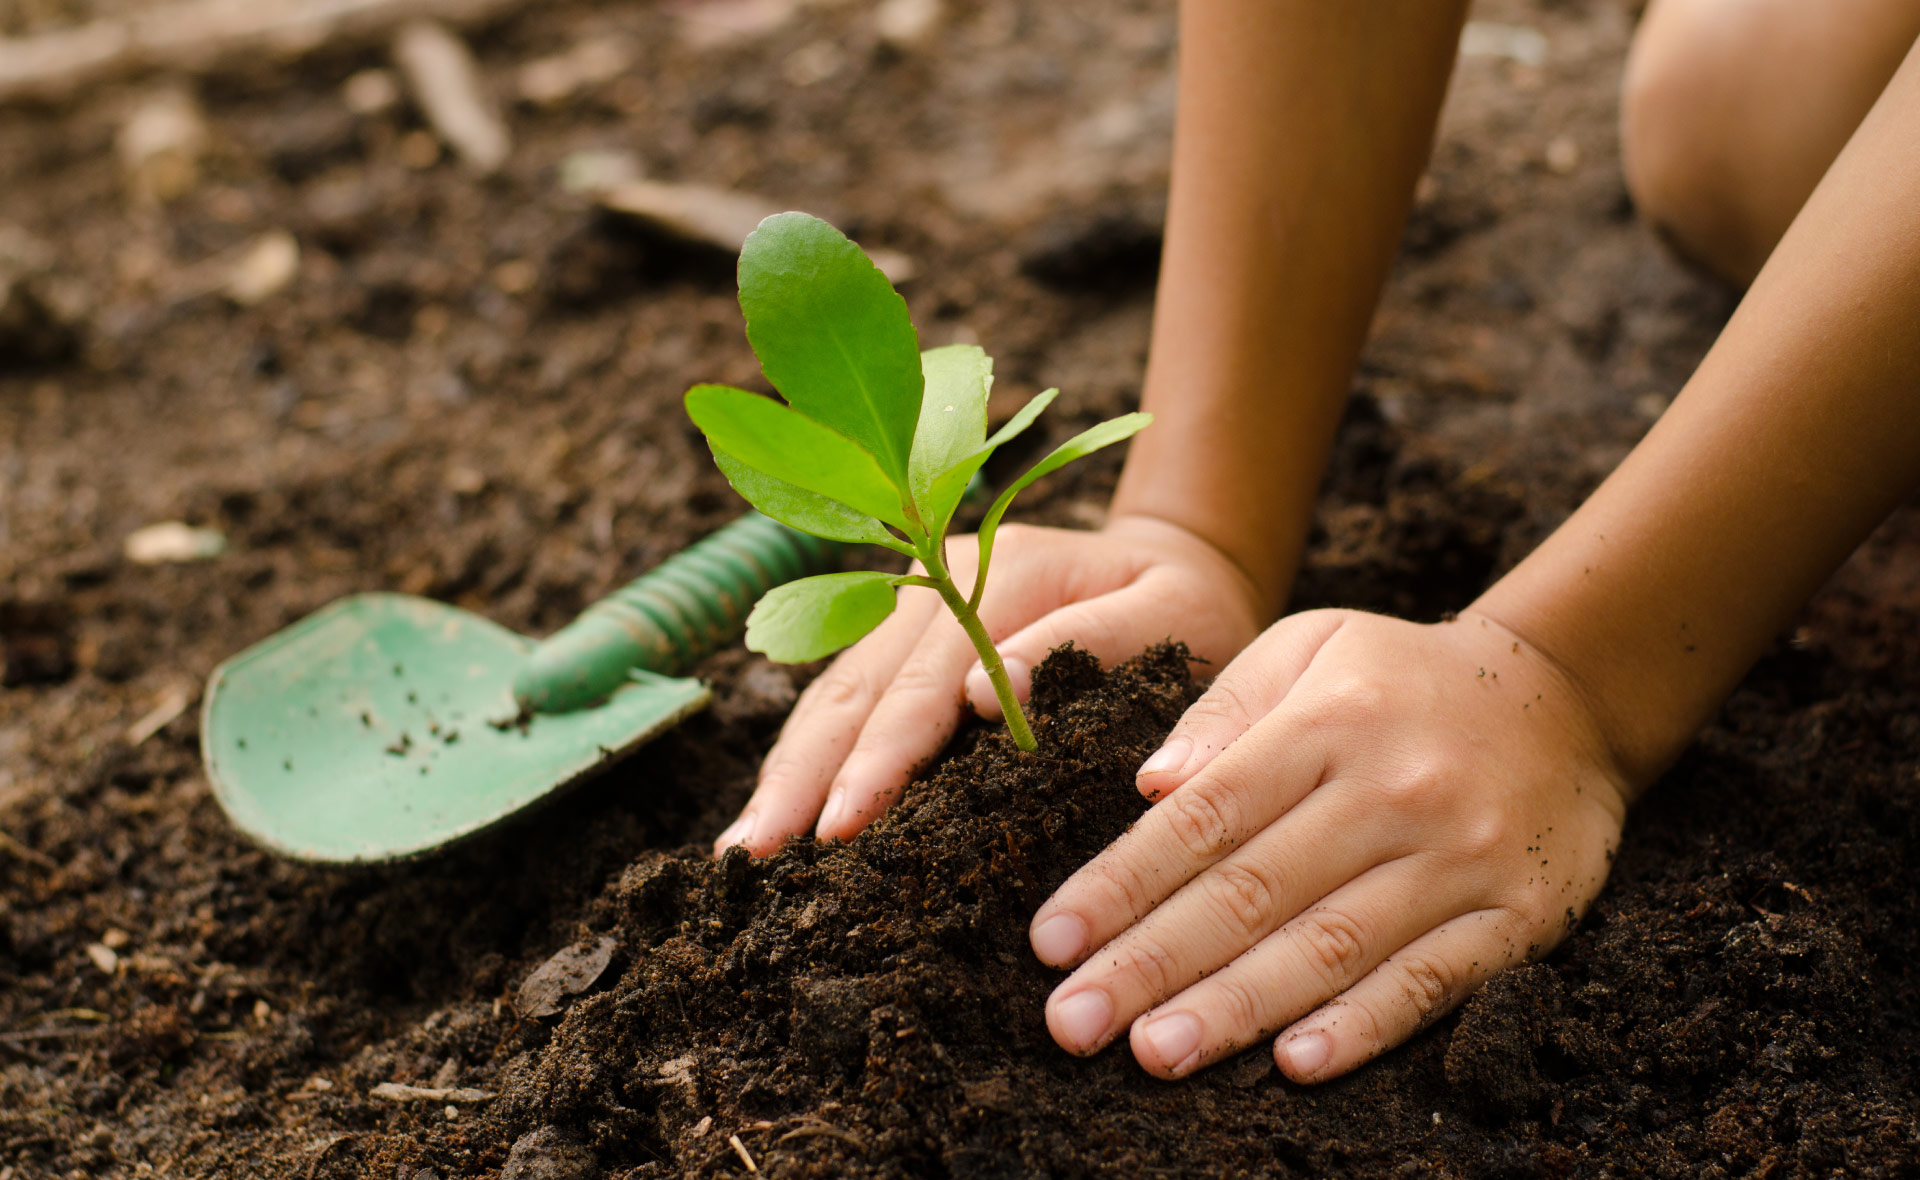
{"type": "Point", "coordinates": [385, 725]}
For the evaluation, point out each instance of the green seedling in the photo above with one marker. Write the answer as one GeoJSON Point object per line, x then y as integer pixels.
{"type": "Point", "coordinates": [875, 442]}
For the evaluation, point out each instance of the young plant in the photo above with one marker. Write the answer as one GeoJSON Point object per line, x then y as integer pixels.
{"type": "Point", "coordinates": [875, 442]}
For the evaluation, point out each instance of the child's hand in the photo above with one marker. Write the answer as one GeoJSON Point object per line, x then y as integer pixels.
{"type": "Point", "coordinates": [1360, 822]}
{"type": "Point", "coordinates": [890, 702]}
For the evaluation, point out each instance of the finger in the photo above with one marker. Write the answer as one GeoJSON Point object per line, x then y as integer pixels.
{"type": "Point", "coordinates": [1112, 626]}
{"type": "Point", "coordinates": [1235, 798]}
{"type": "Point", "coordinates": [822, 729]}
{"type": "Point", "coordinates": [1060, 600]}
{"type": "Point", "coordinates": [1415, 986]}
{"type": "Point", "coordinates": [910, 724]}
{"type": "Point", "coordinates": [1213, 919]}
{"type": "Point", "coordinates": [1296, 969]}
{"type": "Point", "coordinates": [1246, 690]}
{"type": "Point", "coordinates": [916, 714]}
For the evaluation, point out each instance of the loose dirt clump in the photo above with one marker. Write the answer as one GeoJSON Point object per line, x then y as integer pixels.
{"type": "Point", "coordinates": [872, 1009]}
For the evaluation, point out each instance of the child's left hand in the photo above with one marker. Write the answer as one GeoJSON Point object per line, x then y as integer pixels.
{"type": "Point", "coordinates": [1360, 821]}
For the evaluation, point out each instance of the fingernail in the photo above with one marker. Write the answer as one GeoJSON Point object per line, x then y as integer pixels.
{"type": "Point", "coordinates": [1168, 758]}
{"type": "Point", "coordinates": [1173, 1037]}
{"type": "Point", "coordinates": [980, 691]}
{"type": "Point", "coordinates": [738, 832]}
{"type": "Point", "coordinates": [1019, 672]}
{"type": "Point", "coordinates": [1084, 1018]}
{"type": "Point", "coordinates": [1060, 939]}
{"type": "Point", "coordinates": [1306, 1054]}
{"type": "Point", "coordinates": [833, 815]}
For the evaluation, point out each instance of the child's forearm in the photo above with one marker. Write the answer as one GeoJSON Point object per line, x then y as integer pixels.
{"type": "Point", "coordinates": [1302, 128]}
{"type": "Point", "coordinates": [1799, 432]}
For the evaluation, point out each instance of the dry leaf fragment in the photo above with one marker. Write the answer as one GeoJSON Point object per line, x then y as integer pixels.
{"type": "Point", "coordinates": [566, 974]}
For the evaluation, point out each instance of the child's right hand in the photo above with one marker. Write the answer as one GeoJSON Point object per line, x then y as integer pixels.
{"type": "Point", "coordinates": [889, 703]}
{"type": "Point", "coordinates": [1361, 821]}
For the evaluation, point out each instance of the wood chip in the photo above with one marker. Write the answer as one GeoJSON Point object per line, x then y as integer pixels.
{"type": "Point", "coordinates": [161, 143]}
{"type": "Point", "coordinates": [265, 269]}
{"type": "Point", "coordinates": [446, 83]}
{"type": "Point", "coordinates": [550, 81]}
{"type": "Point", "coordinates": [717, 217]}
{"type": "Point", "coordinates": [171, 542]}
{"type": "Point", "coordinates": [400, 1092]}
{"type": "Point", "coordinates": [199, 35]}
{"type": "Point", "coordinates": [172, 703]}
{"type": "Point", "coordinates": [740, 1149]}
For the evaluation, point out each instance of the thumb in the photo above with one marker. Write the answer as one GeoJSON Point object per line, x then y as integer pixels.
{"type": "Point", "coordinates": [1093, 625]}
{"type": "Point", "coordinates": [1112, 626]}
{"type": "Point", "coordinates": [1246, 690]}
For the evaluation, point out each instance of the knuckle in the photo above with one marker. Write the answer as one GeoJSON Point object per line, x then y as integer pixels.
{"type": "Point", "coordinates": [1417, 788]}
{"type": "Point", "coordinates": [1116, 889]}
{"type": "Point", "coordinates": [1242, 896]}
{"type": "Point", "coordinates": [1200, 819]}
{"type": "Point", "coordinates": [920, 678]}
{"type": "Point", "coordinates": [1427, 986]}
{"type": "Point", "coordinates": [785, 767]}
{"type": "Point", "coordinates": [1092, 629]}
{"type": "Point", "coordinates": [1332, 943]}
{"type": "Point", "coordinates": [1151, 966]}
{"type": "Point", "coordinates": [1354, 701]}
{"type": "Point", "coordinates": [1224, 702]}
{"type": "Point", "coordinates": [1481, 838]}
{"type": "Point", "coordinates": [1241, 1004]}
{"type": "Point", "coordinates": [1357, 1022]}
{"type": "Point", "coordinates": [841, 688]}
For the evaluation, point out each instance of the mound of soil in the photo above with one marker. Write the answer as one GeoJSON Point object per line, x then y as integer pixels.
{"type": "Point", "coordinates": [872, 1009]}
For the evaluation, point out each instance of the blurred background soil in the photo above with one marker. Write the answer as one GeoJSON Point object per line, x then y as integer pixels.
{"type": "Point", "coordinates": [307, 325]}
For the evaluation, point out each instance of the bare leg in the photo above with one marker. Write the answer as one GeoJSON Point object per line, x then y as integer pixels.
{"type": "Point", "coordinates": [1733, 109]}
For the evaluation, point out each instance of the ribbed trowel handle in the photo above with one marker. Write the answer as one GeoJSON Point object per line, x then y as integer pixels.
{"type": "Point", "coordinates": [692, 604]}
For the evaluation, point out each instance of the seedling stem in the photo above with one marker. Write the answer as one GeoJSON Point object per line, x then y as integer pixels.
{"type": "Point", "coordinates": [875, 442]}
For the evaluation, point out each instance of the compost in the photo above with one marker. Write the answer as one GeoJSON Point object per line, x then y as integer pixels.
{"type": "Point", "coordinates": [469, 388]}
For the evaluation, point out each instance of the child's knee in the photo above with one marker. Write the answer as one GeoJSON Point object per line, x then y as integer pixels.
{"type": "Point", "coordinates": [1732, 110]}
{"type": "Point", "coordinates": [1683, 142]}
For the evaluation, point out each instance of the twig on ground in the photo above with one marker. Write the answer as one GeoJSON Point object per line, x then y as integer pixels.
{"type": "Point", "coordinates": [171, 705]}
{"type": "Point", "coordinates": [400, 1092]}
{"type": "Point", "coordinates": [32, 856]}
{"type": "Point", "coordinates": [812, 1128]}
{"type": "Point", "coordinates": [740, 1149]}
{"type": "Point", "coordinates": [47, 1034]}
{"type": "Point", "coordinates": [446, 83]}
{"type": "Point", "coordinates": [197, 35]}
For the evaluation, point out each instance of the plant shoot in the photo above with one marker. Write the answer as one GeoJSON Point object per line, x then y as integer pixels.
{"type": "Point", "coordinates": [875, 442]}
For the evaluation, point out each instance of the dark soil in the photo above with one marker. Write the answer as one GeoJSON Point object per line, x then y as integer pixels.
{"type": "Point", "coordinates": [412, 414]}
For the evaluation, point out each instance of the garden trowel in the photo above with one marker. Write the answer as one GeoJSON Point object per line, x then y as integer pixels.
{"type": "Point", "coordinates": [384, 725]}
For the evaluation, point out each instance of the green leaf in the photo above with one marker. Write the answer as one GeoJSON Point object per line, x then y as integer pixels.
{"type": "Point", "coordinates": [781, 442]}
{"type": "Point", "coordinates": [937, 509]}
{"type": "Point", "coordinates": [832, 335]}
{"type": "Point", "coordinates": [807, 511]}
{"type": "Point", "coordinates": [953, 416]}
{"type": "Point", "coordinates": [814, 617]}
{"type": "Point", "coordinates": [1079, 446]}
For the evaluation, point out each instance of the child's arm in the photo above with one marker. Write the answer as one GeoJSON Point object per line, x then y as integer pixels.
{"type": "Point", "coordinates": [1365, 818]}
{"type": "Point", "coordinates": [1302, 128]}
